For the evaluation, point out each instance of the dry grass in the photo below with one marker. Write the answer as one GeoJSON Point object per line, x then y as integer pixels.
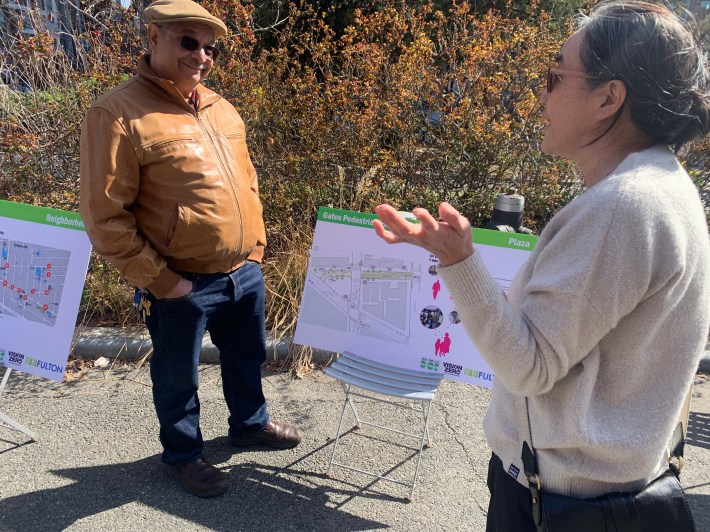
{"type": "Point", "coordinates": [284, 275]}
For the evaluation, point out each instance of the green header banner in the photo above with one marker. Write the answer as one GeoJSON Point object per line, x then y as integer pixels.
{"type": "Point", "coordinates": [502, 239]}
{"type": "Point", "coordinates": [338, 216]}
{"type": "Point", "coordinates": [480, 236]}
{"type": "Point", "coordinates": [41, 215]}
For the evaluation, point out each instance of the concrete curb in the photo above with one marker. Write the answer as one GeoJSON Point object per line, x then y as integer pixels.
{"type": "Point", "coordinates": [132, 344]}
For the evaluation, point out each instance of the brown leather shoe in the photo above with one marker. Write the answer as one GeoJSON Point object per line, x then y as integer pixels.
{"type": "Point", "coordinates": [275, 434]}
{"type": "Point", "coordinates": [199, 478]}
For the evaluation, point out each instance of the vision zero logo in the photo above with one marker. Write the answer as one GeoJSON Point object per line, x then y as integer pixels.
{"type": "Point", "coordinates": [14, 358]}
{"type": "Point", "coordinates": [452, 369]}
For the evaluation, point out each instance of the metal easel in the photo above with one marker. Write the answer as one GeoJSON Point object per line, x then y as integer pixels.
{"type": "Point", "coordinates": [9, 422]}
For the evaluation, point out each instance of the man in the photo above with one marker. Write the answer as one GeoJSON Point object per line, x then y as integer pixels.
{"type": "Point", "coordinates": [170, 197]}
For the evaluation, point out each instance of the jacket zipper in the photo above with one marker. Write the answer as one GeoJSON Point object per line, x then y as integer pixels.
{"type": "Point", "coordinates": [229, 177]}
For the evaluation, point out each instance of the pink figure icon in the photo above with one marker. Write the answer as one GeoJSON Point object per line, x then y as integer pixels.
{"type": "Point", "coordinates": [435, 288]}
{"type": "Point", "coordinates": [445, 345]}
{"type": "Point", "coordinates": [437, 347]}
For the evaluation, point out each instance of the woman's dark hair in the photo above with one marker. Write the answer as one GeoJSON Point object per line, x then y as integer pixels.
{"type": "Point", "coordinates": [663, 67]}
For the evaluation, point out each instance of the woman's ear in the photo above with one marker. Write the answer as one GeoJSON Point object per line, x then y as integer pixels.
{"type": "Point", "coordinates": [613, 99]}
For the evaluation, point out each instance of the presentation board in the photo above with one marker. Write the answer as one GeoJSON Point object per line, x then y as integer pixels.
{"type": "Point", "coordinates": [388, 303]}
{"type": "Point", "coordinates": [44, 254]}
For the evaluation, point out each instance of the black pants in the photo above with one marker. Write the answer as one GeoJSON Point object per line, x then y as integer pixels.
{"type": "Point", "coordinates": [509, 509]}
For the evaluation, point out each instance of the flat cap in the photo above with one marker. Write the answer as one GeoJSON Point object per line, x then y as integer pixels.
{"type": "Point", "coordinates": [164, 11]}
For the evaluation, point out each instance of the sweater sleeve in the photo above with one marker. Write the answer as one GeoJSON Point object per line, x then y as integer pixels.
{"type": "Point", "coordinates": [110, 179]}
{"type": "Point", "coordinates": [587, 275]}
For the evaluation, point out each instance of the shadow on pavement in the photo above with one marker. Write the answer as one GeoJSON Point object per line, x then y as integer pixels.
{"type": "Point", "coordinates": [700, 506]}
{"type": "Point", "coordinates": [12, 445]}
{"type": "Point", "coordinates": [349, 491]}
{"type": "Point", "coordinates": [261, 497]}
{"type": "Point", "coordinates": [698, 430]}
{"type": "Point", "coordinates": [698, 435]}
{"type": "Point", "coordinates": [258, 500]}
{"type": "Point", "coordinates": [21, 384]}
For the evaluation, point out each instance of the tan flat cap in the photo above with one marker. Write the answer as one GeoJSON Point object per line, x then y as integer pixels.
{"type": "Point", "coordinates": [183, 11]}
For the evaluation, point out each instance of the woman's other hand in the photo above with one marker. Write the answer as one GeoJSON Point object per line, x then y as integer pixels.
{"type": "Point", "coordinates": [448, 239]}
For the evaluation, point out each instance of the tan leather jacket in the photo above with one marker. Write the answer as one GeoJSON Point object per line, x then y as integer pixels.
{"type": "Point", "coordinates": [165, 188]}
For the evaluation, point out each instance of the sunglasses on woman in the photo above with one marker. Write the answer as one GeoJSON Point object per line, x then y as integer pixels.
{"type": "Point", "coordinates": [190, 44]}
{"type": "Point", "coordinates": [553, 74]}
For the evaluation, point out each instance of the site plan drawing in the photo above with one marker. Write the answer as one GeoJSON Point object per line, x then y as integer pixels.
{"type": "Point", "coordinates": [44, 254]}
{"type": "Point", "coordinates": [372, 294]}
{"type": "Point", "coordinates": [388, 303]}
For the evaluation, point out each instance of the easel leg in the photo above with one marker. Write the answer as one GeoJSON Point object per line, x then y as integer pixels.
{"type": "Point", "coordinates": [329, 471]}
{"type": "Point", "coordinates": [9, 422]}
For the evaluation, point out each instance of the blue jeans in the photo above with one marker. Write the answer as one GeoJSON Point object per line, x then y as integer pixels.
{"type": "Point", "coordinates": [231, 307]}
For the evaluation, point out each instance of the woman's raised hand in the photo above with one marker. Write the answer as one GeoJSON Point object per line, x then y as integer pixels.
{"type": "Point", "coordinates": [448, 239]}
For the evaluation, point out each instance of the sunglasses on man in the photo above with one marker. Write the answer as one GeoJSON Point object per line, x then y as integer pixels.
{"type": "Point", "coordinates": [553, 75]}
{"type": "Point", "coordinates": [190, 44]}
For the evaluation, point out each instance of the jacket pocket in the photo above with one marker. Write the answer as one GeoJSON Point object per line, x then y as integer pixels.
{"type": "Point", "coordinates": [178, 222]}
{"type": "Point", "coordinates": [169, 145]}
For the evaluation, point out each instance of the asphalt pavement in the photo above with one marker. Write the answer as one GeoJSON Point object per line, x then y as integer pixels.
{"type": "Point", "coordinates": [96, 465]}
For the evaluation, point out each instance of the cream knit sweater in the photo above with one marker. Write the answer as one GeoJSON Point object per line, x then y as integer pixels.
{"type": "Point", "coordinates": [602, 329]}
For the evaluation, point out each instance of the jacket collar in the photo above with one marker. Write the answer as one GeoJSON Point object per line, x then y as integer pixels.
{"type": "Point", "coordinates": [207, 97]}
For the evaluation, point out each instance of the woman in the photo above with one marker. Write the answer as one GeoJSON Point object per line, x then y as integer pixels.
{"type": "Point", "coordinates": [603, 327]}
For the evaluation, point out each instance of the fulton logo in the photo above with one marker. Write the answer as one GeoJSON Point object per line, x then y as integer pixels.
{"type": "Point", "coordinates": [41, 364]}
{"type": "Point", "coordinates": [478, 374]}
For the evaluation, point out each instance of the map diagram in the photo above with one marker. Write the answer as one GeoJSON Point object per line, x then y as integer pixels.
{"type": "Point", "coordinates": [31, 280]}
{"type": "Point", "coordinates": [362, 294]}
